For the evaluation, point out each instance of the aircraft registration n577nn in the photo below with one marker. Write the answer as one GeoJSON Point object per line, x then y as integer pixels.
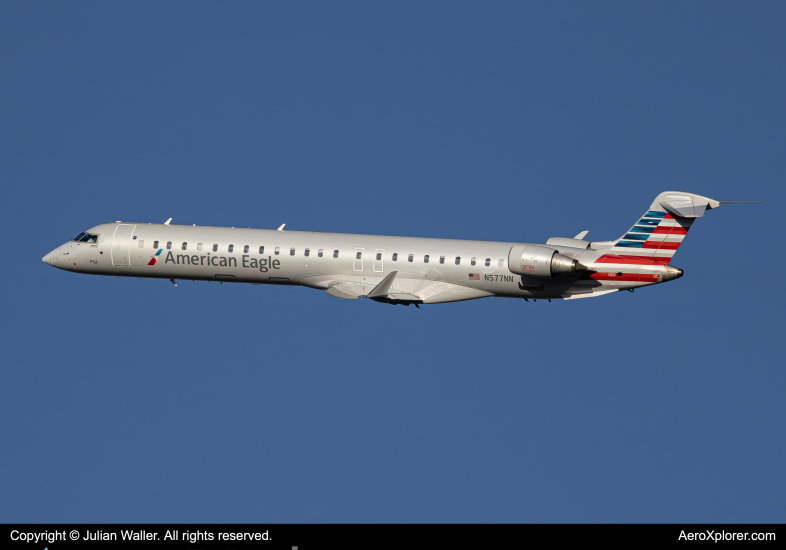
{"type": "Point", "coordinates": [393, 270]}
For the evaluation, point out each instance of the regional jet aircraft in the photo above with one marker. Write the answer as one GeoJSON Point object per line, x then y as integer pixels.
{"type": "Point", "coordinates": [393, 270]}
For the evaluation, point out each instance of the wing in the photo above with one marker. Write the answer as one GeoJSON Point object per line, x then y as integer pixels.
{"type": "Point", "coordinates": [405, 291]}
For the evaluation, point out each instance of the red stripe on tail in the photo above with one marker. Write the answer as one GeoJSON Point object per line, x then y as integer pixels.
{"type": "Point", "coordinates": [676, 230]}
{"type": "Point", "coordinates": [662, 245]}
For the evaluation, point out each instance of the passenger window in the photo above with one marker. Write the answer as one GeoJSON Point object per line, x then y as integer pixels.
{"type": "Point", "coordinates": [410, 257]}
{"type": "Point", "coordinates": [335, 253]}
{"type": "Point", "coordinates": [169, 245]}
{"type": "Point", "coordinates": [306, 252]}
{"type": "Point", "coordinates": [185, 245]}
{"type": "Point", "coordinates": [245, 249]}
{"type": "Point", "coordinates": [488, 262]}
{"type": "Point", "coordinates": [395, 256]}
{"type": "Point", "coordinates": [472, 261]}
{"type": "Point", "coordinates": [215, 248]}
{"type": "Point", "coordinates": [458, 260]}
{"type": "Point", "coordinates": [501, 263]}
{"type": "Point", "coordinates": [291, 251]}
{"type": "Point", "coordinates": [155, 244]}
{"type": "Point", "coordinates": [379, 255]}
{"type": "Point", "coordinates": [261, 249]}
{"type": "Point", "coordinates": [199, 247]}
{"type": "Point", "coordinates": [442, 259]}
{"type": "Point", "coordinates": [425, 258]}
{"type": "Point", "coordinates": [359, 255]}
{"type": "Point", "coordinates": [231, 248]}
{"type": "Point", "coordinates": [141, 244]}
{"type": "Point", "coordinates": [278, 249]}
{"type": "Point", "coordinates": [319, 253]}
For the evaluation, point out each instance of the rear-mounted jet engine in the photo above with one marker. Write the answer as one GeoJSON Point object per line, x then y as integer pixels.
{"type": "Point", "coordinates": [541, 261]}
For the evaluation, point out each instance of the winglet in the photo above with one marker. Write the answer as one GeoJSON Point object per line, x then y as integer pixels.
{"type": "Point", "coordinates": [383, 287]}
{"type": "Point", "coordinates": [581, 235]}
{"type": "Point", "coordinates": [167, 222]}
{"type": "Point", "coordinates": [281, 228]}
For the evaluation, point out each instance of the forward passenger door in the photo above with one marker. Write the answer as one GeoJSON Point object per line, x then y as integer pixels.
{"type": "Point", "coordinates": [121, 245]}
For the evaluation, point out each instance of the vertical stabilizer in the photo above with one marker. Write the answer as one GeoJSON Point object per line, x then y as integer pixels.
{"type": "Point", "coordinates": [660, 231]}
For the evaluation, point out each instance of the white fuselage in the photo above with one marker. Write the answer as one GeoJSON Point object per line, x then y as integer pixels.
{"type": "Point", "coordinates": [428, 270]}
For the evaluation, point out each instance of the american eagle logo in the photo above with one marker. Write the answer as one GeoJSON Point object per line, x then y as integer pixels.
{"type": "Point", "coordinates": [153, 259]}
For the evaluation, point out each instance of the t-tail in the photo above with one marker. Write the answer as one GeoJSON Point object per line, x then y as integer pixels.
{"type": "Point", "coordinates": [658, 234]}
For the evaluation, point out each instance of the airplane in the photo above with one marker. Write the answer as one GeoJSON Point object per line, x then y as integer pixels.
{"type": "Point", "coordinates": [394, 270]}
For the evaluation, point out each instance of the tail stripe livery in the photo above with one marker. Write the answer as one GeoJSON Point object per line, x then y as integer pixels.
{"type": "Point", "coordinates": [654, 238]}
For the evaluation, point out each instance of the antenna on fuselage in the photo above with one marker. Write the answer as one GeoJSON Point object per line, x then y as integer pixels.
{"type": "Point", "coordinates": [281, 228]}
{"type": "Point", "coordinates": [167, 222]}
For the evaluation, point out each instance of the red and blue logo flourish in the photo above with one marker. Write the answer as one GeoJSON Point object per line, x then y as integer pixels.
{"type": "Point", "coordinates": [153, 259]}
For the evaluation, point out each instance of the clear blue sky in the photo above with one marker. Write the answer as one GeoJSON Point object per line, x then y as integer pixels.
{"type": "Point", "coordinates": [132, 400]}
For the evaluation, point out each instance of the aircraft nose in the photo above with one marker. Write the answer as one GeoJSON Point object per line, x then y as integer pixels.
{"type": "Point", "coordinates": [51, 258]}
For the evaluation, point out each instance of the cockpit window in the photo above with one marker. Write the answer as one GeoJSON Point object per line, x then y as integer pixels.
{"type": "Point", "coordinates": [85, 238]}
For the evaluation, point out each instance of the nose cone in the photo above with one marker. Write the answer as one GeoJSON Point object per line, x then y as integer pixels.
{"type": "Point", "coordinates": [670, 273]}
{"type": "Point", "coordinates": [51, 258]}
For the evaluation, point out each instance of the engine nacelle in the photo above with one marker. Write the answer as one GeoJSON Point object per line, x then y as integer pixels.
{"type": "Point", "coordinates": [540, 261]}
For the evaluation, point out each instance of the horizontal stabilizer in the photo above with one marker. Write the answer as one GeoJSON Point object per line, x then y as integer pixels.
{"type": "Point", "coordinates": [684, 209]}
